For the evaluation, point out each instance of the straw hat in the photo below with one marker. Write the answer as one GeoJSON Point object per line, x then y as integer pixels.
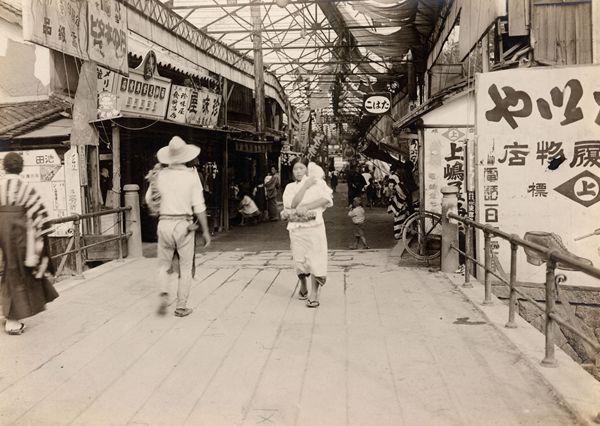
{"type": "Point", "coordinates": [177, 152]}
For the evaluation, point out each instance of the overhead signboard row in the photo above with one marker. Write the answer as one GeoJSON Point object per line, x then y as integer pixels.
{"type": "Point", "coordinates": [90, 30]}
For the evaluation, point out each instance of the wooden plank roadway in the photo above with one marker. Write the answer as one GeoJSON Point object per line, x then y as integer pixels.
{"type": "Point", "coordinates": [388, 346]}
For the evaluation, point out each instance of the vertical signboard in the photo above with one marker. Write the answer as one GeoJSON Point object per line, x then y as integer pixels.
{"type": "Point", "coordinates": [56, 179]}
{"type": "Point", "coordinates": [446, 165]}
{"type": "Point", "coordinates": [539, 161]}
{"type": "Point", "coordinates": [107, 23]}
{"type": "Point", "coordinates": [57, 24]}
{"type": "Point", "coordinates": [191, 106]}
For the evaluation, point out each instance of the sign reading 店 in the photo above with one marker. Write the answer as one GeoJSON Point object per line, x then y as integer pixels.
{"type": "Point", "coordinates": [377, 103]}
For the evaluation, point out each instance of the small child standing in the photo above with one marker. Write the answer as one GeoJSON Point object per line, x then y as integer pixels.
{"type": "Point", "coordinates": [357, 214]}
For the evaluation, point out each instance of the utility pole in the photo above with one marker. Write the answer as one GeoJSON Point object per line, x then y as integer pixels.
{"type": "Point", "coordinates": [259, 77]}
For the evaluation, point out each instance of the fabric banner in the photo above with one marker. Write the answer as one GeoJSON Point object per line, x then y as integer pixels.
{"type": "Point", "coordinates": [57, 24]}
{"type": "Point", "coordinates": [303, 131]}
{"type": "Point", "coordinates": [107, 45]}
{"type": "Point", "coordinates": [196, 107]}
{"type": "Point", "coordinates": [539, 161]}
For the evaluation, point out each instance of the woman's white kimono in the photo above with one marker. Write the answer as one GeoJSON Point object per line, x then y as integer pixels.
{"type": "Point", "coordinates": [308, 240]}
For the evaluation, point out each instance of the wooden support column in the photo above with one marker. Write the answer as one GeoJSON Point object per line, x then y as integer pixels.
{"type": "Point", "coordinates": [225, 166]}
{"type": "Point", "coordinates": [596, 31]}
{"type": "Point", "coordinates": [114, 196]}
{"type": "Point", "coordinates": [94, 187]}
{"type": "Point", "coordinates": [259, 76]}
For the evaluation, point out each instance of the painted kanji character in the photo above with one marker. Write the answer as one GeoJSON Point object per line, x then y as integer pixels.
{"type": "Point", "coordinates": [501, 109]}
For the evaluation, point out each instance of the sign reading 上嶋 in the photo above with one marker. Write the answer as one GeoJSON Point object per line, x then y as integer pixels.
{"type": "Point", "coordinates": [58, 24]}
{"type": "Point", "coordinates": [539, 158]}
{"type": "Point", "coordinates": [446, 151]}
{"type": "Point", "coordinates": [95, 30]}
{"type": "Point", "coordinates": [191, 106]}
{"type": "Point", "coordinates": [56, 179]}
{"type": "Point", "coordinates": [134, 95]}
{"type": "Point", "coordinates": [107, 43]}
{"type": "Point", "coordinates": [378, 103]}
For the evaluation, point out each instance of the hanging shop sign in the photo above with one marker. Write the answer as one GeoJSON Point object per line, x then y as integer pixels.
{"type": "Point", "coordinates": [539, 160]}
{"type": "Point", "coordinates": [95, 30]}
{"type": "Point", "coordinates": [143, 93]}
{"type": "Point", "coordinates": [56, 179]}
{"type": "Point", "coordinates": [196, 107]}
{"type": "Point", "coordinates": [107, 43]}
{"type": "Point", "coordinates": [446, 162]}
{"type": "Point", "coordinates": [377, 103]}
{"type": "Point", "coordinates": [57, 24]}
{"type": "Point", "coordinates": [303, 131]}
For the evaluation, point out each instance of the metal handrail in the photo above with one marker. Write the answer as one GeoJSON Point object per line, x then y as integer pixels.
{"type": "Point", "coordinates": [552, 256]}
{"type": "Point", "coordinates": [76, 238]}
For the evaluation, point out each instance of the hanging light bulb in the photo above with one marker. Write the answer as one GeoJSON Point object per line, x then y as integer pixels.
{"type": "Point", "coordinates": [303, 33]}
{"type": "Point", "coordinates": [281, 3]}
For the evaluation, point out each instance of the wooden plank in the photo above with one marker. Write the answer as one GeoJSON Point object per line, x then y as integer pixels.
{"type": "Point", "coordinates": [584, 27]}
{"type": "Point", "coordinates": [61, 394]}
{"type": "Point", "coordinates": [323, 397]}
{"type": "Point", "coordinates": [279, 387]}
{"type": "Point", "coordinates": [372, 392]}
{"type": "Point", "coordinates": [128, 391]}
{"type": "Point", "coordinates": [595, 29]}
{"type": "Point", "coordinates": [172, 401]}
{"type": "Point", "coordinates": [518, 17]}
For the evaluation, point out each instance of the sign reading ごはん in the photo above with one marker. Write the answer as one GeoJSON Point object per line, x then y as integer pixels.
{"type": "Point", "coordinates": [539, 158]}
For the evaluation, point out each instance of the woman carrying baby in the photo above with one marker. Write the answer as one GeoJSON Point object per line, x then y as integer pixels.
{"type": "Point", "coordinates": [304, 202]}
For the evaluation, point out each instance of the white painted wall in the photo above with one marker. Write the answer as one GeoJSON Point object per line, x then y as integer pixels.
{"type": "Point", "coordinates": [24, 67]}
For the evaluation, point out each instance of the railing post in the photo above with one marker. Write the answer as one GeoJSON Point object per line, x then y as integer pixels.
{"type": "Point", "coordinates": [487, 282]}
{"type": "Point", "coordinates": [550, 325]}
{"type": "Point", "coordinates": [77, 246]}
{"type": "Point", "coordinates": [512, 298]}
{"type": "Point", "coordinates": [132, 220]}
{"type": "Point", "coordinates": [120, 234]}
{"type": "Point", "coordinates": [449, 257]}
{"type": "Point", "coordinates": [469, 253]}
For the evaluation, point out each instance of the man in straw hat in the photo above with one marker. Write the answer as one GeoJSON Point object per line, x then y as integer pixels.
{"type": "Point", "coordinates": [181, 197]}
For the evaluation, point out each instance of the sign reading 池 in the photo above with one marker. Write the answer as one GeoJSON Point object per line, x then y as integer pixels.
{"type": "Point", "coordinates": [539, 159]}
{"type": "Point", "coordinates": [191, 106]}
{"type": "Point", "coordinates": [377, 103]}
{"type": "Point", "coordinates": [57, 24]}
{"type": "Point", "coordinates": [107, 23]}
{"type": "Point", "coordinates": [446, 165]}
{"type": "Point", "coordinates": [56, 179]}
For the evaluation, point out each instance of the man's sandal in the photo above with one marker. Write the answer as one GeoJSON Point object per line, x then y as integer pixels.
{"type": "Point", "coordinates": [312, 303]}
{"type": "Point", "coordinates": [183, 312]}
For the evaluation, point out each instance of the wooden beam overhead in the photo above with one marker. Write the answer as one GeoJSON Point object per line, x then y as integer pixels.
{"type": "Point", "coordinates": [258, 3]}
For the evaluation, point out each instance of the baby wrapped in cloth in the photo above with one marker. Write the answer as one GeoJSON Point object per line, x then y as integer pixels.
{"type": "Point", "coordinates": [308, 240]}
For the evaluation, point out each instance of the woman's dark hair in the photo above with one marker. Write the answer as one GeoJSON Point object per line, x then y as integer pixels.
{"type": "Point", "coordinates": [13, 163]}
{"type": "Point", "coordinates": [302, 160]}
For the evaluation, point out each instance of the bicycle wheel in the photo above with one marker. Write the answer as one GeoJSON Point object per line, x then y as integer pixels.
{"type": "Point", "coordinates": [422, 235]}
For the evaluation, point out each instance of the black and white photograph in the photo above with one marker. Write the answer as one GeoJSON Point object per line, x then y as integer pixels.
{"type": "Point", "coordinates": [300, 212]}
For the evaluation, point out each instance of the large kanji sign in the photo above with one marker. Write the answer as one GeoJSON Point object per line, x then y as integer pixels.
{"type": "Point", "coordinates": [539, 157]}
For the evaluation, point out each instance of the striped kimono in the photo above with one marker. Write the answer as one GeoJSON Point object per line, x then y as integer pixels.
{"type": "Point", "coordinates": [25, 286]}
{"type": "Point", "coordinates": [398, 206]}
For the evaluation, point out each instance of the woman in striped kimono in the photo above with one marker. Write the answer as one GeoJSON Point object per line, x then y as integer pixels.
{"type": "Point", "coordinates": [26, 286]}
{"type": "Point", "coordinates": [398, 206]}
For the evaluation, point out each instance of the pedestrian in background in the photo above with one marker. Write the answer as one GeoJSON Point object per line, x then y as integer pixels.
{"type": "Point", "coordinates": [272, 190]}
{"type": "Point", "coordinates": [304, 202]}
{"type": "Point", "coordinates": [334, 181]}
{"type": "Point", "coordinates": [181, 198]}
{"type": "Point", "coordinates": [27, 276]}
{"type": "Point", "coordinates": [248, 209]}
{"type": "Point", "coordinates": [358, 216]}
